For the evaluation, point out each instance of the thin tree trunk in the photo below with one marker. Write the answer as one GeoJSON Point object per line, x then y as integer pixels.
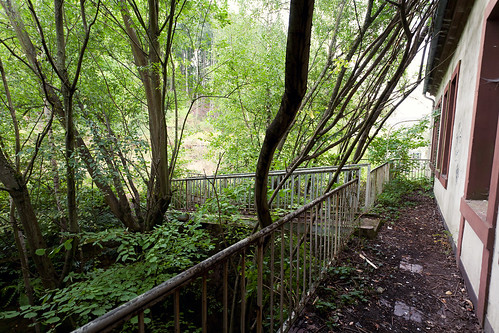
{"type": "Point", "coordinates": [23, 258]}
{"type": "Point", "coordinates": [67, 95]}
{"type": "Point", "coordinates": [14, 184]}
{"type": "Point", "coordinates": [159, 186]}
{"type": "Point", "coordinates": [296, 74]}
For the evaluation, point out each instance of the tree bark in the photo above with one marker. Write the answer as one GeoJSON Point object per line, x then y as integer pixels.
{"type": "Point", "coordinates": [295, 85]}
{"type": "Point", "coordinates": [14, 184]}
{"type": "Point", "coordinates": [67, 96]}
{"type": "Point", "coordinates": [148, 63]}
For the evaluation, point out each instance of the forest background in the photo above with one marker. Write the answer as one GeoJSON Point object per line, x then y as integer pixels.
{"type": "Point", "coordinates": [98, 97]}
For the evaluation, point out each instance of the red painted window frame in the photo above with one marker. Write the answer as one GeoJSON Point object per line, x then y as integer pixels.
{"type": "Point", "coordinates": [434, 137]}
{"type": "Point", "coordinates": [447, 127]}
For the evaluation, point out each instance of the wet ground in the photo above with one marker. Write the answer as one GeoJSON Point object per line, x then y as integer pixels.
{"type": "Point", "coordinates": [404, 280]}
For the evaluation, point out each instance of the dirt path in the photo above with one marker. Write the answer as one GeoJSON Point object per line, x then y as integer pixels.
{"type": "Point", "coordinates": [415, 287]}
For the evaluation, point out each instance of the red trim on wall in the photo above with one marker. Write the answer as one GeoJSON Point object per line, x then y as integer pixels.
{"type": "Point", "coordinates": [447, 126]}
{"type": "Point", "coordinates": [460, 239]}
{"type": "Point", "coordinates": [483, 290]}
{"type": "Point", "coordinates": [484, 226]}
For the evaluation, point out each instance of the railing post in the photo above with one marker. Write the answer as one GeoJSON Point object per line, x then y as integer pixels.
{"type": "Point", "coordinates": [176, 310]}
{"type": "Point", "coordinates": [259, 296]}
{"type": "Point", "coordinates": [226, 297]}
{"type": "Point", "coordinates": [368, 188]}
{"type": "Point", "coordinates": [204, 306]}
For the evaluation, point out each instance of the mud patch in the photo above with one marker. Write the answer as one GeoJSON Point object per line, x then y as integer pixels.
{"type": "Point", "coordinates": [415, 287]}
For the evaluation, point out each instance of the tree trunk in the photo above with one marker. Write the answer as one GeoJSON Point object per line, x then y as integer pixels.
{"type": "Point", "coordinates": [295, 85]}
{"type": "Point", "coordinates": [23, 258]}
{"type": "Point", "coordinates": [67, 96]}
{"type": "Point", "coordinates": [148, 64]}
{"type": "Point", "coordinates": [18, 191]}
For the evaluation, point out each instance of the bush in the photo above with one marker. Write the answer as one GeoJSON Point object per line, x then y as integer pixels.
{"type": "Point", "coordinates": [143, 261]}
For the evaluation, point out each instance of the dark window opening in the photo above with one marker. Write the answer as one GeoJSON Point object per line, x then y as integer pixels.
{"type": "Point", "coordinates": [446, 128]}
{"type": "Point", "coordinates": [486, 116]}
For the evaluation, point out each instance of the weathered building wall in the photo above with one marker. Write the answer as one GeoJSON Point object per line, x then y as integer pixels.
{"type": "Point", "coordinates": [468, 53]}
{"type": "Point", "coordinates": [492, 320]}
{"type": "Point", "coordinates": [473, 256]}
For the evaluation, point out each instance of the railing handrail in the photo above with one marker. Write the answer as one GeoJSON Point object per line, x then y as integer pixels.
{"type": "Point", "coordinates": [380, 166]}
{"type": "Point", "coordinates": [163, 290]}
{"type": "Point", "coordinates": [276, 172]}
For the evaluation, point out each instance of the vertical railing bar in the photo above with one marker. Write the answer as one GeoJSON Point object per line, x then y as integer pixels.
{"type": "Point", "coordinates": [299, 190]}
{"type": "Point", "coordinates": [176, 310]}
{"type": "Point", "coordinates": [276, 201]}
{"type": "Point", "coordinates": [272, 254]}
{"type": "Point", "coordinates": [286, 194]}
{"type": "Point", "coordinates": [327, 223]}
{"type": "Point", "coordinates": [323, 247]}
{"type": "Point", "coordinates": [304, 281]}
{"type": "Point", "coordinates": [310, 255]}
{"type": "Point", "coordinates": [298, 239]}
{"type": "Point", "coordinates": [226, 298]}
{"type": "Point", "coordinates": [316, 244]}
{"type": "Point", "coordinates": [328, 239]}
{"type": "Point", "coordinates": [317, 186]}
{"type": "Point", "coordinates": [187, 194]}
{"type": "Point", "coordinates": [328, 230]}
{"type": "Point", "coordinates": [290, 304]}
{"type": "Point", "coordinates": [141, 322]}
{"type": "Point", "coordinates": [281, 282]}
{"type": "Point", "coordinates": [204, 310]}
{"type": "Point", "coordinates": [243, 291]}
{"type": "Point", "coordinates": [259, 296]}
{"type": "Point", "coordinates": [341, 221]}
{"type": "Point", "coordinates": [336, 225]}
{"type": "Point", "coordinates": [331, 223]}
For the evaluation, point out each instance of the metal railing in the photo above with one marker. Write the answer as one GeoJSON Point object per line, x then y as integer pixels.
{"type": "Point", "coordinates": [378, 177]}
{"type": "Point", "coordinates": [412, 169]}
{"type": "Point", "coordinates": [302, 186]}
{"type": "Point", "coordinates": [258, 284]}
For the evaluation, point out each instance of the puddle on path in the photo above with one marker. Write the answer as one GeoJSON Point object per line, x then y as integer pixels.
{"type": "Point", "coordinates": [407, 312]}
{"type": "Point", "coordinates": [414, 268]}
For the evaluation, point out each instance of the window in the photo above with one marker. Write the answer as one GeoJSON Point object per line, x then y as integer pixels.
{"type": "Point", "coordinates": [446, 127]}
{"type": "Point", "coordinates": [434, 136]}
{"type": "Point", "coordinates": [485, 118]}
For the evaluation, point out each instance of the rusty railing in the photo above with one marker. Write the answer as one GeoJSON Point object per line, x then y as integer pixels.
{"type": "Point", "coordinates": [375, 182]}
{"type": "Point", "coordinates": [302, 186]}
{"type": "Point", "coordinates": [259, 284]}
{"type": "Point", "coordinates": [412, 169]}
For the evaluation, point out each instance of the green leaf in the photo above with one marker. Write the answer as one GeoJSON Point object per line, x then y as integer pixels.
{"type": "Point", "coordinates": [9, 314]}
{"type": "Point", "coordinates": [40, 252]}
{"type": "Point", "coordinates": [68, 245]}
{"type": "Point", "coordinates": [99, 312]}
{"type": "Point", "coordinates": [30, 315]}
{"type": "Point", "coordinates": [53, 320]}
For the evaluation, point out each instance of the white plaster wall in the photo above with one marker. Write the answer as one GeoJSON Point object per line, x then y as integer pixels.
{"type": "Point", "coordinates": [492, 323]}
{"type": "Point", "coordinates": [449, 199]}
{"type": "Point", "coordinates": [471, 256]}
{"type": "Point", "coordinates": [468, 53]}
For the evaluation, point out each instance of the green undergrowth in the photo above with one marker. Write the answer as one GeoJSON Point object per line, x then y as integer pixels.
{"type": "Point", "coordinates": [392, 199]}
{"type": "Point", "coordinates": [344, 287]}
{"type": "Point", "coordinates": [135, 263]}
